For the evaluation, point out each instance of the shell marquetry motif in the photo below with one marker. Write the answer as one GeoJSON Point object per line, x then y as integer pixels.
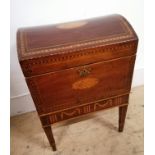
{"type": "Point", "coordinates": [85, 83]}
{"type": "Point", "coordinates": [72, 25]}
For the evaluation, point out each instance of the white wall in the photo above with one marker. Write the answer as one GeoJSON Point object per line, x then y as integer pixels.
{"type": "Point", "coordinates": [42, 12]}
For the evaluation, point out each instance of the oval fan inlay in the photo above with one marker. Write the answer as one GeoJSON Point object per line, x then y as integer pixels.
{"type": "Point", "coordinates": [85, 83]}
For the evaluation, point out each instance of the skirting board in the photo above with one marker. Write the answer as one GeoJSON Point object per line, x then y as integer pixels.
{"type": "Point", "coordinates": [23, 103]}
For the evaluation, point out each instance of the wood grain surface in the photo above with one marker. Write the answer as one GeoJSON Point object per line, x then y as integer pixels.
{"type": "Point", "coordinates": [76, 68]}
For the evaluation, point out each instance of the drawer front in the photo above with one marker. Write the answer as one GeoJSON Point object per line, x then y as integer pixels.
{"type": "Point", "coordinates": [80, 85]}
{"type": "Point", "coordinates": [54, 117]}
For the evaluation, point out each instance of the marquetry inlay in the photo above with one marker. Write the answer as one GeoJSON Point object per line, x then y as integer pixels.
{"type": "Point", "coordinates": [26, 52]}
{"type": "Point", "coordinates": [84, 109]}
{"type": "Point", "coordinates": [72, 25]}
{"type": "Point", "coordinates": [85, 83]}
{"type": "Point", "coordinates": [73, 69]}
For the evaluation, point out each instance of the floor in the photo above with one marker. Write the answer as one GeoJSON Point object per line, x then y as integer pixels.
{"type": "Point", "coordinates": [95, 134]}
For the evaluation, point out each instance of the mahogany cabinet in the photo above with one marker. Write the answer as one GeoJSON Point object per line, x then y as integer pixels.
{"type": "Point", "coordinates": [76, 68]}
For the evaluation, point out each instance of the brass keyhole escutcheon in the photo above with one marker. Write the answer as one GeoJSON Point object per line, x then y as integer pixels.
{"type": "Point", "coordinates": [85, 71]}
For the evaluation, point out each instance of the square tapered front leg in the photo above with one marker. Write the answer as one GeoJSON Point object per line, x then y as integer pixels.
{"type": "Point", "coordinates": [49, 134]}
{"type": "Point", "coordinates": [122, 116]}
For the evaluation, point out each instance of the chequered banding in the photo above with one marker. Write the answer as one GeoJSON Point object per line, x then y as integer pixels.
{"type": "Point", "coordinates": [64, 48]}
{"type": "Point", "coordinates": [86, 108]}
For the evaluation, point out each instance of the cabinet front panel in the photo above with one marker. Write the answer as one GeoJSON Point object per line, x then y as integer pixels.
{"type": "Point", "coordinates": [80, 85]}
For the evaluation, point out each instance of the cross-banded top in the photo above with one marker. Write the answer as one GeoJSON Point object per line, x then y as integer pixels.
{"type": "Point", "coordinates": [41, 41]}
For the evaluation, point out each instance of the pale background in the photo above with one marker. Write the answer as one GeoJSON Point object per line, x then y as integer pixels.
{"type": "Point", "coordinates": [42, 12]}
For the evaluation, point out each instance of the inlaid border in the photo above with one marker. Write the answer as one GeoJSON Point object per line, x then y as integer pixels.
{"type": "Point", "coordinates": [69, 113]}
{"type": "Point", "coordinates": [81, 53]}
{"type": "Point", "coordinates": [78, 45]}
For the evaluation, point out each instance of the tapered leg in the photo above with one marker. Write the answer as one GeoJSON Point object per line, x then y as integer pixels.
{"type": "Point", "coordinates": [122, 116]}
{"type": "Point", "coordinates": [49, 134]}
